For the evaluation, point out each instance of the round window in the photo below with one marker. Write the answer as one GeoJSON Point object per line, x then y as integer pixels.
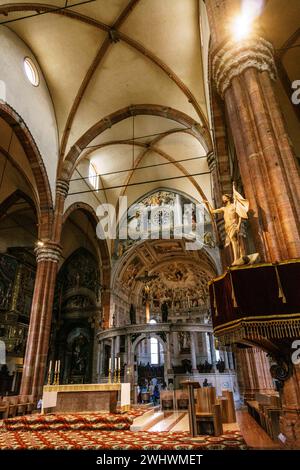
{"type": "Point", "coordinates": [31, 72]}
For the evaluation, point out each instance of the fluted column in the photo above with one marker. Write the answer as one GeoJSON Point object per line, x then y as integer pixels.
{"type": "Point", "coordinates": [244, 74]}
{"type": "Point", "coordinates": [40, 319]}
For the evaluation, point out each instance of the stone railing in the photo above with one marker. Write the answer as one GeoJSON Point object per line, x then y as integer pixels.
{"type": "Point", "coordinates": [154, 328]}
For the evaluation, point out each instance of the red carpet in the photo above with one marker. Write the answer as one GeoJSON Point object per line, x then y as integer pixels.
{"type": "Point", "coordinates": [101, 431]}
{"type": "Point", "coordinates": [123, 440]}
{"type": "Point", "coordinates": [71, 421]}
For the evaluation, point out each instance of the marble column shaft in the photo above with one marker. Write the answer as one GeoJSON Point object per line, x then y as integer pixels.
{"type": "Point", "coordinates": [244, 74]}
{"type": "Point", "coordinates": [40, 320]}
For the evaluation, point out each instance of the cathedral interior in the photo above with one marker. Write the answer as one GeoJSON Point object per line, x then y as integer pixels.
{"type": "Point", "coordinates": [150, 222]}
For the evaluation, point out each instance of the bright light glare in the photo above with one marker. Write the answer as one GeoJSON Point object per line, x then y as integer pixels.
{"type": "Point", "coordinates": [241, 27]}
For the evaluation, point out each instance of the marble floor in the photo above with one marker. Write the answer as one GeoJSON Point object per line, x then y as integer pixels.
{"type": "Point", "coordinates": [254, 435]}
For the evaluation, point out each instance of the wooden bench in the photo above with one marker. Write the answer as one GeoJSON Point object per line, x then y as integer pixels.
{"type": "Point", "coordinates": [14, 405]}
{"type": "Point", "coordinates": [208, 412]}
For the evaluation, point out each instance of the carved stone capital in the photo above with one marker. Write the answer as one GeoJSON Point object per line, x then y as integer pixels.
{"type": "Point", "coordinates": [233, 59]}
{"type": "Point", "coordinates": [48, 252]}
{"type": "Point", "coordinates": [62, 187]}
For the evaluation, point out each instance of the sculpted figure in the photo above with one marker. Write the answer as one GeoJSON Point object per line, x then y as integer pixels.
{"type": "Point", "coordinates": [234, 210]}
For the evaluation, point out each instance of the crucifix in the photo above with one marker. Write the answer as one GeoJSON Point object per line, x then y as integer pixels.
{"type": "Point", "coordinates": [146, 290]}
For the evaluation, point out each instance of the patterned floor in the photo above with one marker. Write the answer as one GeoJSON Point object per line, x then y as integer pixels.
{"type": "Point", "coordinates": [121, 440]}
{"type": "Point", "coordinates": [102, 431]}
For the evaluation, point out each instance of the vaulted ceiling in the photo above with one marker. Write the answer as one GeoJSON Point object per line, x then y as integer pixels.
{"type": "Point", "coordinates": [123, 69]}
{"type": "Point", "coordinates": [105, 56]}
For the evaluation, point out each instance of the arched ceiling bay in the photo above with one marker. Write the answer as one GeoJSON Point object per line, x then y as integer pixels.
{"type": "Point", "coordinates": [105, 55]}
{"type": "Point", "coordinates": [172, 158]}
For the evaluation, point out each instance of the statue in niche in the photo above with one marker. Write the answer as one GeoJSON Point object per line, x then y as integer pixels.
{"type": "Point", "coordinates": [164, 312]}
{"type": "Point", "coordinates": [184, 341]}
{"type": "Point", "coordinates": [235, 209]}
{"type": "Point", "coordinates": [79, 355]}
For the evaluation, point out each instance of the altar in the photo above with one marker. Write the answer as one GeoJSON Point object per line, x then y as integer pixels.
{"type": "Point", "coordinates": [85, 398]}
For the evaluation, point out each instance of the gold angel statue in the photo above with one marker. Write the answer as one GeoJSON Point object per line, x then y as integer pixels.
{"type": "Point", "coordinates": [234, 210]}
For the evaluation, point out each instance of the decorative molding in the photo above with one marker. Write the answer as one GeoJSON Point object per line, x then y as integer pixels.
{"type": "Point", "coordinates": [233, 59]}
{"type": "Point", "coordinates": [62, 187]}
{"type": "Point", "coordinates": [211, 161]}
{"type": "Point", "coordinates": [48, 252]}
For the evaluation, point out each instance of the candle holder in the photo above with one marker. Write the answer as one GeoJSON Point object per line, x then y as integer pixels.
{"type": "Point", "coordinates": [49, 377]}
{"type": "Point", "coordinates": [119, 375]}
{"type": "Point", "coordinates": [115, 375]}
{"type": "Point", "coordinates": [109, 376]}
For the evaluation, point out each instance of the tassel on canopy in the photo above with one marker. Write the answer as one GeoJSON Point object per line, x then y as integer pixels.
{"type": "Point", "coordinates": [280, 289]}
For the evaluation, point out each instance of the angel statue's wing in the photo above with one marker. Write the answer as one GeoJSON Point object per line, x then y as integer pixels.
{"type": "Point", "coordinates": [241, 204]}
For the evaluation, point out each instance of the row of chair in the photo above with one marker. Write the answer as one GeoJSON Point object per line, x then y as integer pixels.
{"type": "Point", "coordinates": [212, 411]}
{"type": "Point", "coordinates": [17, 405]}
{"type": "Point", "coordinates": [167, 399]}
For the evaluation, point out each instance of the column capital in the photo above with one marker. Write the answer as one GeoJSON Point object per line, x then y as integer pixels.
{"type": "Point", "coordinates": [62, 187]}
{"type": "Point", "coordinates": [234, 58]}
{"type": "Point", "coordinates": [48, 251]}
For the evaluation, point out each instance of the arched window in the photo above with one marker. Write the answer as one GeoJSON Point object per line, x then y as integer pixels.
{"type": "Point", "coordinates": [154, 351]}
{"type": "Point", "coordinates": [93, 177]}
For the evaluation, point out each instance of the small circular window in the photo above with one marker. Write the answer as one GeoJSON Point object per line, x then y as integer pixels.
{"type": "Point", "coordinates": [31, 72]}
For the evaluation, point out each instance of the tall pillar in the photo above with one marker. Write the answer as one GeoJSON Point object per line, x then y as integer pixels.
{"type": "Point", "coordinates": [112, 353]}
{"type": "Point", "coordinates": [244, 73]}
{"type": "Point", "coordinates": [230, 360]}
{"type": "Point", "coordinates": [168, 364]}
{"type": "Point", "coordinates": [40, 319]}
{"type": "Point", "coordinates": [226, 359]}
{"type": "Point", "coordinates": [175, 344]}
{"type": "Point", "coordinates": [117, 346]}
{"type": "Point", "coordinates": [101, 360]}
{"type": "Point", "coordinates": [193, 353]}
{"type": "Point", "coordinates": [130, 361]}
{"type": "Point", "coordinates": [212, 351]}
{"type": "Point", "coordinates": [105, 301]}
